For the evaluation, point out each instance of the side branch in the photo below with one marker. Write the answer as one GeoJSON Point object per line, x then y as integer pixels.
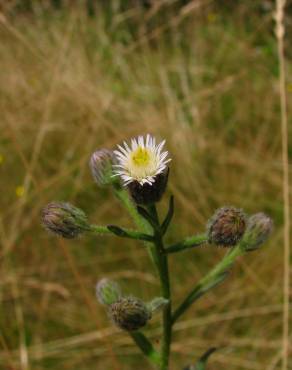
{"type": "Point", "coordinates": [212, 279]}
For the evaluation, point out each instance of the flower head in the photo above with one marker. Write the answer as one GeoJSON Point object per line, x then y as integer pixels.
{"type": "Point", "coordinates": [129, 313]}
{"type": "Point", "coordinates": [226, 227]}
{"type": "Point", "coordinates": [101, 165]}
{"type": "Point", "coordinates": [64, 219]}
{"type": "Point", "coordinates": [142, 161]}
{"type": "Point", "coordinates": [259, 228]}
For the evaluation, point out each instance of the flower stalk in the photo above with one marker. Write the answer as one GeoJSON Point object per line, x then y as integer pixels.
{"type": "Point", "coordinates": [162, 267]}
{"type": "Point", "coordinates": [212, 279]}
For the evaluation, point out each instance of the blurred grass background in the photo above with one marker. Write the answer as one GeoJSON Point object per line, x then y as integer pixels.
{"type": "Point", "coordinates": [77, 76]}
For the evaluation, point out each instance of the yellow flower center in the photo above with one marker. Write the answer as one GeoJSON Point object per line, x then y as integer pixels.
{"type": "Point", "coordinates": [140, 157]}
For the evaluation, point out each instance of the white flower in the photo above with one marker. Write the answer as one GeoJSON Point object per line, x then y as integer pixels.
{"type": "Point", "coordinates": [142, 161]}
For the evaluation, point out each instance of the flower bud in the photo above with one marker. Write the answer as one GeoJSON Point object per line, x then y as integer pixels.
{"type": "Point", "coordinates": [148, 194]}
{"type": "Point", "coordinates": [64, 219]}
{"type": "Point", "coordinates": [226, 227]}
{"type": "Point", "coordinates": [108, 292]}
{"type": "Point", "coordinates": [129, 313]}
{"type": "Point", "coordinates": [101, 165]}
{"type": "Point", "coordinates": [259, 228]}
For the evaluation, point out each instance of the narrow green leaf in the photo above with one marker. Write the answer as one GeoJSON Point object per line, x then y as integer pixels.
{"type": "Point", "coordinates": [202, 363]}
{"type": "Point", "coordinates": [148, 217]}
{"type": "Point", "coordinates": [188, 243]}
{"type": "Point", "coordinates": [117, 230]}
{"type": "Point", "coordinates": [123, 233]}
{"type": "Point", "coordinates": [146, 347]}
{"type": "Point", "coordinates": [169, 216]}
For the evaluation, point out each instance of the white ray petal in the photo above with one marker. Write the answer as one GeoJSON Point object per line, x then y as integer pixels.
{"type": "Point", "coordinates": [142, 166]}
{"type": "Point", "coordinates": [123, 150]}
{"type": "Point", "coordinates": [148, 137]}
{"type": "Point", "coordinates": [134, 144]}
{"type": "Point", "coordinates": [127, 147]}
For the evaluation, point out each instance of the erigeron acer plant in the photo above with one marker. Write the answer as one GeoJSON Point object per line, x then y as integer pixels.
{"type": "Point", "coordinates": [138, 175]}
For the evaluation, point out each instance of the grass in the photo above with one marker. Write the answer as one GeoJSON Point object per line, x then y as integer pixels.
{"type": "Point", "coordinates": [208, 83]}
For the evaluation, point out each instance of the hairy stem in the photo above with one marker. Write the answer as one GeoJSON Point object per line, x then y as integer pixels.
{"type": "Point", "coordinates": [146, 347]}
{"type": "Point", "coordinates": [102, 230]}
{"type": "Point", "coordinates": [162, 267]}
{"type": "Point", "coordinates": [214, 277]}
{"type": "Point", "coordinates": [123, 196]}
{"type": "Point", "coordinates": [156, 253]}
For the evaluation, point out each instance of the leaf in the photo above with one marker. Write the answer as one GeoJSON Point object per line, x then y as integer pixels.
{"type": "Point", "coordinates": [148, 217]}
{"type": "Point", "coordinates": [202, 363]}
{"type": "Point", "coordinates": [129, 233]}
{"type": "Point", "coordinates": [188, 243]}
{"type": "Point", "coordinates": [117, 230]}
{"type": "Point", "coordinates": [169, 215]}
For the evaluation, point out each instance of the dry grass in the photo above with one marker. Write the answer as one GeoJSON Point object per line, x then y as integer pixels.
{"type": "Point", "coordinates": [208, 84]}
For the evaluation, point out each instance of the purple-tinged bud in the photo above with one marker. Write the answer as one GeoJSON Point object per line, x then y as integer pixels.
{"type": "Point", "coordinates": [101, 165]}
{"type": "Point", "coordinates": [64, 219]}
{"type": "Point", "coordinates": [226, 227]}
{"type": "Point", "coordinates": [148, 194]}
{"type": "Point", "coordinates": [108, 292]}
{"type": "Point", "coordinates": [259, 228]}
{"type": "Point", "coordinates": [129, 313]}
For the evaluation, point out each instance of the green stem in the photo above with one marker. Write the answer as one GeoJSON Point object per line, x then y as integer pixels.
{"type": "Point", "coordinates": [167, 325]}
{"type": "Point", "coordinates": [214, 277]}
{"type": "Point", "coordinates": [162, 266]}
{"type": "Point", "coordinates": [123, 195]}
{"type": "Point", "coordinates": [188, 243]}
{"type": "Point", "coordinates": [160, 261]}
{"type": "Point", "coordinates": [96, 229]}
{"type": "Point", "coordinates": [146, 347]}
